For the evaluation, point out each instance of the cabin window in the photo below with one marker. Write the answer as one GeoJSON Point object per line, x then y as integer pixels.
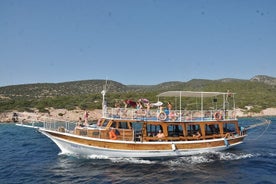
{"type": "Point", "coordinates": [229, 127]}
{"type": "Point", "coordinates": [211, 129]}
{"type": "Point", "coordinates": [175, 130]}
{"type": "Point", "coordinates": [113, 125]}
{"type": "Point", "coordinates": [193, 129]}
{"type": "Point", "coordinates": [105, 123]}
{"type": "Point", "coordinates": [136, 126]}
{"type": "Point", "coordinates": [123, 125]}
{"type": "Point", "coordinates": [152, 130]}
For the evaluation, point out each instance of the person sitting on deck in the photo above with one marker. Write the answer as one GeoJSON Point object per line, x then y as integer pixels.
{"type": "Point", "coordinates": [160, 135]}
{"type": "Point", "coordinates": [78, 125]}
{"type": "Point", "coordinates": [197, 135]}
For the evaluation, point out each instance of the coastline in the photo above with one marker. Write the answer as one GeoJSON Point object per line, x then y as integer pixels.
{"type": "Point", "coordinates": [94, 115]}
{"type": "Point", "coordinates": [53, 115]}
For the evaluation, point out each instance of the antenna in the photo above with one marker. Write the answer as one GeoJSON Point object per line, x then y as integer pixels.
{"type": "Point", "coordinates": [103, 92]}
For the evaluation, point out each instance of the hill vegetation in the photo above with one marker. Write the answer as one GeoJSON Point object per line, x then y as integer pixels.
{"type": "Point", "coordinates": [259, 92]}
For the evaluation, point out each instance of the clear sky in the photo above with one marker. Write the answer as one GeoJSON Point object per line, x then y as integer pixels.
{"type": "Point", "coordinates": [136, 41]}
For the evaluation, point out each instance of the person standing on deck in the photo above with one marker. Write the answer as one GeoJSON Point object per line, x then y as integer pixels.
{"type": "Point", "coordinates": [86, 114]}
{"type": "Point", "coordinates": [148, 109]}
{"type": "Point", "coordinates": [169, 106]}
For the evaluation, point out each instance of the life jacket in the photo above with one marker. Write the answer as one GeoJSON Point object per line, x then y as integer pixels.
{"type": "Point", "coordinates": [112, 135]}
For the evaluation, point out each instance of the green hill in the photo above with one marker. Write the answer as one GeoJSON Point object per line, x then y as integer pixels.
{"type": "Point", "coordinates": [258, 92]}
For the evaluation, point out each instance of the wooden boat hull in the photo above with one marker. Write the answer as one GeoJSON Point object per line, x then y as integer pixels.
{"type": "Point", "coordinates": [87, 146]}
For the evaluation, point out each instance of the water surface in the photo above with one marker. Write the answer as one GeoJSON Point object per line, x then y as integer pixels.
{"type": "Point", "coordinates": [26, 156]}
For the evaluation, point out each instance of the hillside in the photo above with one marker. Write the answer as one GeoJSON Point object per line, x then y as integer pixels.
{"type": "Point", "coordinates": [258, 92]}
{"type": "Point", "coordinates": [41, 90]}
{"type": "Point", "coordinates": [264, 79]}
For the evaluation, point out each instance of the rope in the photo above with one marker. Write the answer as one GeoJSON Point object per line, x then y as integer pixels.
{"type": "Point", "coordinates": [264, 121]}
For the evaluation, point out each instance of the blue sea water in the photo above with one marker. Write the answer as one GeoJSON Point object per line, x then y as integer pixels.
{"type": "Point", "coordinates": [26, 156]}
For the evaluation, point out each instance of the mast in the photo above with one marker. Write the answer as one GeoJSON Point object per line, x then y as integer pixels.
{"type": "Point", "coordinates": [104, 105]}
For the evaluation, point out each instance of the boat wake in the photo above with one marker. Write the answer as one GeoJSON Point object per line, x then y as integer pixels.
{"type": "Point", "coordinates": [132, 160]}
{"type": "Point", "coordinates": [185, 161]}
{"type": "Point", "coordinates": [94, 157]}
{"type": "Point", "coordinates": [209, 158]}
{"type": "Point", "coordinates": [194, 159]}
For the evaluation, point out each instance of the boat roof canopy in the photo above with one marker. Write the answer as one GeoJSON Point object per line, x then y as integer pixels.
{"type": "Point", "coordinates": [190, 94]}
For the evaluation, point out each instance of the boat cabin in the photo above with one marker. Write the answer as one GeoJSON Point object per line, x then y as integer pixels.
{"type": "Point", "coordinates": [129, 130]}
{"type": "Point", "coordinates": [132, 124]}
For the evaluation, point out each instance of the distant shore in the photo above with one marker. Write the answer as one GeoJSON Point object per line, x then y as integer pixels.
{"type": "Point", "coordinates": [94, 115]}
{"type": "Point", "coordinates": [53, 115]}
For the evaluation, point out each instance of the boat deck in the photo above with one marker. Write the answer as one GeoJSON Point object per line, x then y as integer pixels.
{"type": "Point", "coordinates": [172, 115]}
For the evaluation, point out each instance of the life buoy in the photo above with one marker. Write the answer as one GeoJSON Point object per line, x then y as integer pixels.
{"type": "Point", "coordinates": [218, 116]}
{"type": "Point", "coordinates": [112, 135]}
{"type": "Point", "coordinates": [162, 116]}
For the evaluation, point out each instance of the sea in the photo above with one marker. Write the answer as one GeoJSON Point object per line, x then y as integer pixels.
{"type": "Point", "coordinates": [27, 156]}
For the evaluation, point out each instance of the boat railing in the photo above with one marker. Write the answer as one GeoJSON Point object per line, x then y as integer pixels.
{"type": "Point", "coordinates": [93, 130]}
{"type": "Point", "coordinates": [166, 115]}
{"type": "Point", "coordinates": [31, 124]}
{"type": "Point", "coordinates": [61, 126]}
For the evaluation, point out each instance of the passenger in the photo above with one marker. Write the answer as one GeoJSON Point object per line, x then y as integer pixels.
{"type": "Point", "coordinates": [117, 105]}
{"type": "Point", "coordinates": [79, 124]}
{"type": "Point", "coordinates": [148, 109]}
{"type": "Point", "coordinates": [227, 135]}
{"type": "Point", "coordinates": [112, 134]}
{"type": "Point", "coordinates": [160, 135]}
{"type": "Point", "coordinates": [130, 103]}
{"type": "Point", "coordinates": [86, 114]}
{"type": "Point", "coordinates": [117, 108]}
{"type": "Point", "coordinates": [242, 130]}
{"type": "Point", "coordinates": [172, 115]}
{"type": "Point", "coordinates": [139, 105]}
{"type": "Point", "coordinates": [197, 135]}
{"type": "Point", "coordinates": [125, 103]}
{"type": "Point", "coordinates": [169, 106]}
{"type": "Point", "coordinates": [161, 109]}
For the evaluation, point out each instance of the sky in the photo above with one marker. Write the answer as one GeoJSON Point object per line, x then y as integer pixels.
{"type": "Point", "coordinates": [136, 42]}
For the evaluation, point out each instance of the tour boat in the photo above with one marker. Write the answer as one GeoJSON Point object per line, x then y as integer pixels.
{"type": "Point", "coordinates": [154, 130]}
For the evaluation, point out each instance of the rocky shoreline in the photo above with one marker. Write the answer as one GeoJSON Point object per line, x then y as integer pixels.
{"type": "Point", "coordinates": [53, 115]}
{"type": "Point", "coordinates": [94, 115]}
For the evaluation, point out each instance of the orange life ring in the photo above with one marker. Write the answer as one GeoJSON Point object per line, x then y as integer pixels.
{"type": "Point", "coordinates": [218, 116]}
{"type": "Point", "coordinates": [112, 135]}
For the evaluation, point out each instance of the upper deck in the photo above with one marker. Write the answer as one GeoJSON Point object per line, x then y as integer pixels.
{"type": "Point", "coordinates": [169, 115]}
{"type": "Point", "coordinates": [210, 106]}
